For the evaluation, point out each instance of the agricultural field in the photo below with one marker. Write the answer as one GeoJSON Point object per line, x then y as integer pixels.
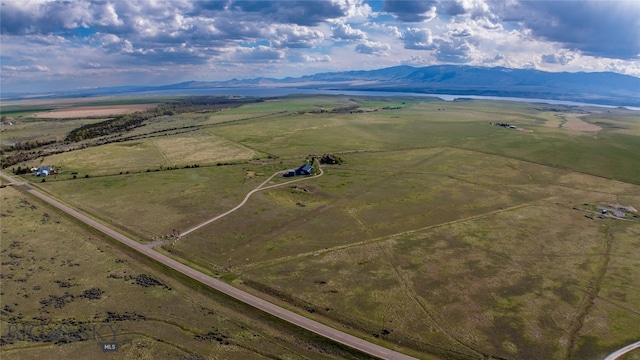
{"type": "Point", "coordinates": [440, 233]}
{"type": "Point", "coordinates": [66, 289]}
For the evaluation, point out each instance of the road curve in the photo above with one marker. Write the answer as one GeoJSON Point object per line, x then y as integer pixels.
{"type": "Point", "coordinates": [619, 353]}
{"type": "Point", "coordinates": [284, 314]}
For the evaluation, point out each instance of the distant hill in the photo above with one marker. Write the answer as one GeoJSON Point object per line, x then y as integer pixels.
{"type": "Point", "coordinates": [606, 88]}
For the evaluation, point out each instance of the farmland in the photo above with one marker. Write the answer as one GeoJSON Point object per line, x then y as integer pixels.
{"type": "Point", "coordinates": [65, 289]}
{"type": "Point", "coordinates": [439, 234]}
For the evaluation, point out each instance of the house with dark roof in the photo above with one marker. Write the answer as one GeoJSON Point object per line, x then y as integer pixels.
{"type": "Point", "coordinates": [305, 169]}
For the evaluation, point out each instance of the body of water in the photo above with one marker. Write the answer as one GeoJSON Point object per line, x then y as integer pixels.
{"type": "Point", "coordinates": [283, 91]}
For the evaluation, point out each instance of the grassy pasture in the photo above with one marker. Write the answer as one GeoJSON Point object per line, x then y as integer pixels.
{"type": "Point", "coordinates": [30, 130]}
{"type": "Point", "coordinates": [200, 147]}
{"type": "Point", "coordinates": [505, 285]}
{"type": "Point", "coordinates": [455, 236]}
{"type": "Point", "coordinates": [188, 197]}
{"type": "Point", "coordinates": [45, 256]}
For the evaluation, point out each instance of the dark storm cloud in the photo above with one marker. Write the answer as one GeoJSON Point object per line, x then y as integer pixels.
{"type": "Point", "coordinates": [171, 31]}
{"type": "Point", "coordinates": [410, 11]}
{"type": "Point", "coordinates": [296, 12]}
{"type": "Point", "coordinates": [453, 8]}
{"type": "Point", "coordinates": [598, 28]}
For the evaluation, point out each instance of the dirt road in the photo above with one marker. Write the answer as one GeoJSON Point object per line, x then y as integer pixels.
{"type": "Point", "coordinates": [258, 188]}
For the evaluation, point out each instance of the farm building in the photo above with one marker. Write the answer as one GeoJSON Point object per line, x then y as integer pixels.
{"type": "Point", "coordinates": [42, 171]}
{"type": "Point", "coordinates": [305, 169]}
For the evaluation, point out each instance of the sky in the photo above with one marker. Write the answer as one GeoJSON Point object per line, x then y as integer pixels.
{"type": "Point", "coordinates": [61, 45]}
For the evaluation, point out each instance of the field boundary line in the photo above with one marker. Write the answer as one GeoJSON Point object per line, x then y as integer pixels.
{"type": "Point", "coordinates": [386, 237]}
{"type": "Point", "coordinates": [153, 141]}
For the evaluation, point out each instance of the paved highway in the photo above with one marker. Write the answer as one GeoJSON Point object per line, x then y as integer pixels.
{"type": "Point", "coordinates": [619, 353]}
{"type": "Point", "coordinates": [284, 314]}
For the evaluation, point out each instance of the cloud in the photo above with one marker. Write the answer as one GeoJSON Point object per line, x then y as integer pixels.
{"type": "Point", "coordinates": [373, 48]}
{"type": "Point", "coordinates": [461, 32]}
{"type": "Point", "coordinates": [411, 11]}
{"type": "Point", "coordinates": [343, 31]}
{"type": "Point", "coordinates": [31, 68]}
{"type": "Point", "coordinates": [302, 12]}
{"type": "Point", "coordinates": [306, 58]}
{"type": "Point", "coordinates": [294, 36]}
{"type": "Point", "coordinates": [456, 50]}
{"type": "Point", "coordinates": [417, 39]}
{"type": "Point", "coordinates": [598, 28]}
{"type": "Point", "coordinates": [474, 8]}
{"type": "Point", "coordinates": [559, 58]}
{"type": "Point", "coordinates": [89, 40]}
{"type": "Point", "coordinates": [416, 60]}
{"type": "Point", "coordinates": [257, 54]}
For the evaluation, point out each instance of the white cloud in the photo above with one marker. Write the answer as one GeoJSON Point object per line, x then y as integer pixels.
{"type": "Point", "coordinates": [308, 58]}
{"type": "Point", "coordinates": [563, 58]}
{"type": "Point", "coordinates": [417, 39]}
{"type": "Point", "coordinates": [373, 48]}
{"type": "Point", "coordinates": [343, 31]}
{"type": "Point", "coordinates": [257, 54]}
{"type": "Point", "coordinates": [294, 36]}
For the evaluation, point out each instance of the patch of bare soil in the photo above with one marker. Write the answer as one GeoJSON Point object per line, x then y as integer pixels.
{"type": "Point", "coordinates": [575, 123]}
{"type": "Point", "coordinates": [92, 111]}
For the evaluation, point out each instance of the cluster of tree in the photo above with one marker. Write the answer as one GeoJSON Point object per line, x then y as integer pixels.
{"type": "Point", "coordinates": [339, 110]}
{"type": "Point", "coordinates": [27, 145]}
{"type": "Point", "coordinates": [208, 103]}
{"type": "Point", "coordinates": [22, 156]}
{"type": "Point", "coordinates": [331, 159]}
{"type": "Point", "coordinates": [21, 170]}
{"type": "Point", "coordinates": [121, 123]}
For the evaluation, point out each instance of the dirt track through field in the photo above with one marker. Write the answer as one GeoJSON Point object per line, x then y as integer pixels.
{"type": "Point", "coordinates": [246, 198]}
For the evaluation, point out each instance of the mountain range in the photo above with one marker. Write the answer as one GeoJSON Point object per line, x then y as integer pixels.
{"type": "Point", "coordinates": [605, 88]}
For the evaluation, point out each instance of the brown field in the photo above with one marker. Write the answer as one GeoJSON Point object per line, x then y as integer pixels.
{"type": "Point", "coordinates": [92, 111]}
{"type": "Point", "coordinates": [575, 123]}
{"type": "Point", "coordinates": [569, 121]}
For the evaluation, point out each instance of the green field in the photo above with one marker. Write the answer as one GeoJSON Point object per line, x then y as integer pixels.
{"type": "Point", "coordinates": [65, 289]}
{"type": "Point", "coordinates": [441, 233]}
